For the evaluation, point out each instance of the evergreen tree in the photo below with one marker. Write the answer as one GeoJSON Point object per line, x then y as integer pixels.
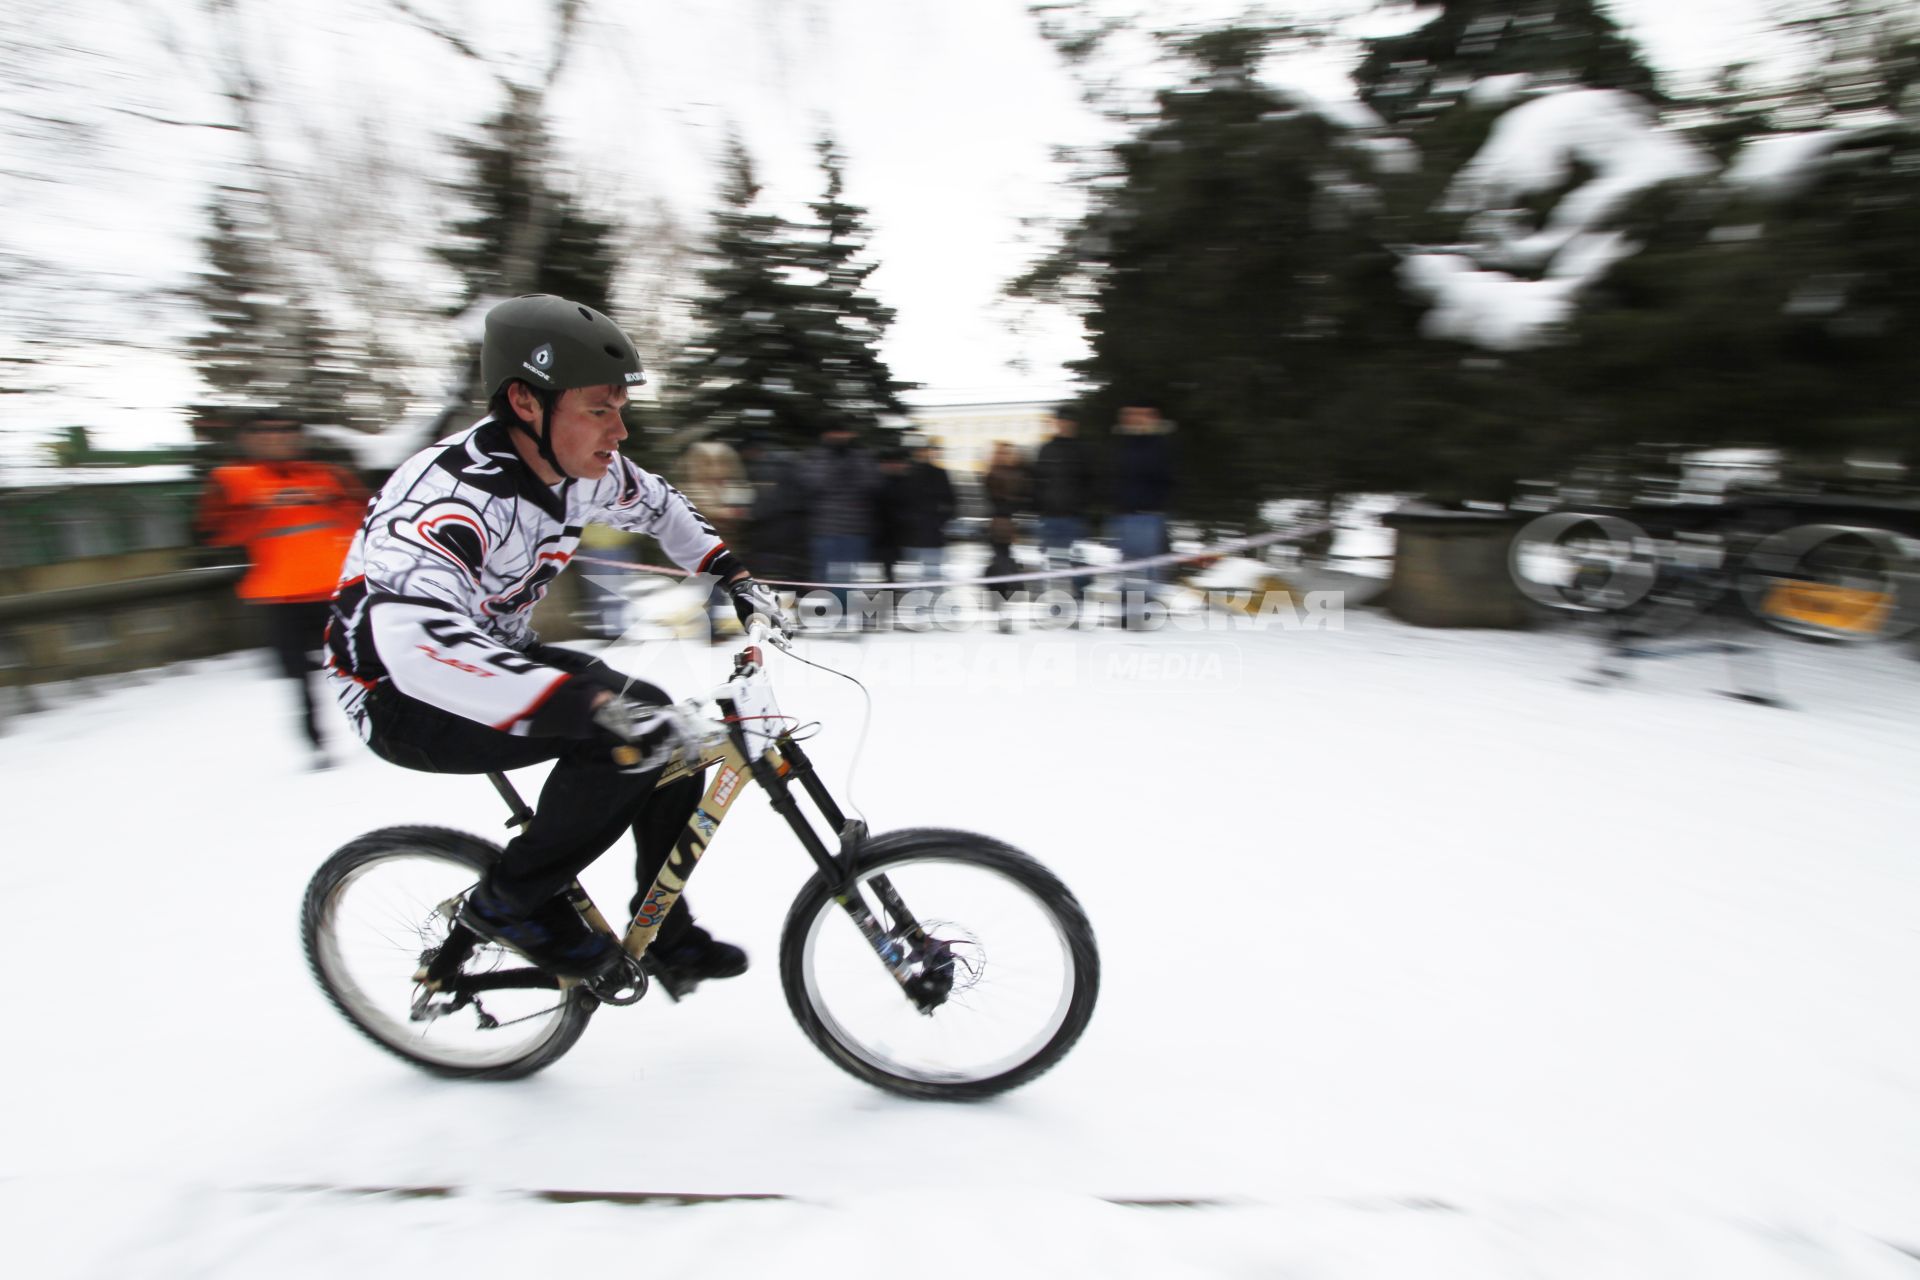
{"type": "Point", "coordinates": [863, 385]}
{"type": "Point", "coordinates": [1867, 58]}
{"type": "Point", "coordinates": [1476, 422]}
{"type": "Point", "coordinates": [1434, 84]}
{"type": "Point", "coordinates": [267, 344]}
{"type": "Point", "coordinates": [787, 333]}
{"type": "Point", "coordinates": [1240, 264]}
{"type": "Point", "coordinates": [1229, 275]}
{"type": "Point", "coordinates": [244, 356]}
{"type": "Point", "coordinates": [748, 366]}
{"type": "Point", "coordinates": [1418, 76]}
{"type": "Point", "coordinates": [1787, 318]}
{"type": "Point", "coordinates": [521, 233]}
{"type": "Point", "coordinates": [1780, 313]}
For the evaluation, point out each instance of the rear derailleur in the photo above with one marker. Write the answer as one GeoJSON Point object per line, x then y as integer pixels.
{"type": "Point", "coordinates": [442, 988]}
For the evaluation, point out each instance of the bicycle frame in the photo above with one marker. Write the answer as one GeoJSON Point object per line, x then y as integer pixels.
{"type": "Point", "coordinates": [775, 767]}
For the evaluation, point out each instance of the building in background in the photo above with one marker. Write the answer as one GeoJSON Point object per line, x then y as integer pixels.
{"type": "Point", "coordinates": [963, 433]}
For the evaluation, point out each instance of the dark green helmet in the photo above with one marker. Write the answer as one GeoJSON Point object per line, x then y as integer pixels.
{"type": "Point", "coordinates": [554, 345]}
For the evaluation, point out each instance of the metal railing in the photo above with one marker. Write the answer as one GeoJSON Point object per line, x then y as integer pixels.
{"type": "Point", "coordinates": [110, 627]}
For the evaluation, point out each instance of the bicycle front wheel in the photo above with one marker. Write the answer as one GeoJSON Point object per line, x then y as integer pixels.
{"type": "Point", "coordinates": [382, 906]}
{"type": "Point", "coordinates": [1000, 965]}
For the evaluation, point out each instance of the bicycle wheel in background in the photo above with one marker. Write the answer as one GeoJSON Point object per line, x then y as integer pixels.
{"type": "Point", "coordinates": [1580, 563]}
{"type": "Point", "coordinates": [1006, 958]}
{"type": "Point", "coordinates": [1833, 582]}
{"type": "Point", "coordinates": [382, 905]}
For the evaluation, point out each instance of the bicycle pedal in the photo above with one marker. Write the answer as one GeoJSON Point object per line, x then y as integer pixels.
{"type": "Point", "coordinates": [624, 985]}
{"type": "Point", "coordinates": [676, 986]}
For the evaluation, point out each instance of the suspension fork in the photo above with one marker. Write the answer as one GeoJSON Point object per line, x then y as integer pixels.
{"type": "Point", "coordinates": [853, 836]}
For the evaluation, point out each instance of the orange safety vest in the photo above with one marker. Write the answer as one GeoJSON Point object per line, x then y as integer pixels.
{"type": "Point", "coordinates": [295, 519]}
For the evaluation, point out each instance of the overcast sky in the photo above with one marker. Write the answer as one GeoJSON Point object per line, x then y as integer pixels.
{"type": "Point", "coordinates": [949, 114]}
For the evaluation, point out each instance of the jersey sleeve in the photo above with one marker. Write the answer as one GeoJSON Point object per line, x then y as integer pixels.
{"type": "Point", "coordinates": [641, 502]}
{"type": "Point", "coordinates": [443, 659]}
{"type": "Point", "coordinates": [421, 594]}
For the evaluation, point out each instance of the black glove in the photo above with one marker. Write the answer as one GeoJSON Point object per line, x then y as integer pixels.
{"type": "Point", "coordinates": [752, 598]}
{"type": "Point", "coordinates": [652, 736]}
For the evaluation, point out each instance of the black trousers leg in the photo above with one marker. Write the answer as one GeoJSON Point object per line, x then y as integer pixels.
{"type": "Point", "coordinates": [584, 806]}
{"type": "Point", "coordinates": [295, 630]}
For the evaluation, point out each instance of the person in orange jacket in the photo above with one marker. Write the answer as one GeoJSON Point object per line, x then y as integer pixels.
{"type": "Point", "coordinates": [295, 518]}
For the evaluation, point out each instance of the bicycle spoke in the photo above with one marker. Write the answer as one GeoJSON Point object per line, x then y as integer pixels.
{"type": "Point", "coordinates": [1013, 975]}
{"type": "Point", "coordinates": [379, 919]}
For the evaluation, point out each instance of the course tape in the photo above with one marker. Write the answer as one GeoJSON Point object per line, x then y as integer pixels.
{"type": "Point", "coordinates": [1078, 571]}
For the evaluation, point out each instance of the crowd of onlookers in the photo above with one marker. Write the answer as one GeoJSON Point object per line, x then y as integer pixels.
{"type": "Point", "coordinates": [842, 512]}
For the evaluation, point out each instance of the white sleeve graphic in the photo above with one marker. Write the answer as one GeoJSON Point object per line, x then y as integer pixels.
{"type": "Point", "coordinates": [445, 660]}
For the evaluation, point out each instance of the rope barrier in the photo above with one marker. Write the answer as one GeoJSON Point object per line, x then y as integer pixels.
{"type": "Point", "coordinates": [1080, 571]}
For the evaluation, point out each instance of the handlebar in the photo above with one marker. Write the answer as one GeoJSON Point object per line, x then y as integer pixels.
{"type": "Point", "coordinates": [761, 630]}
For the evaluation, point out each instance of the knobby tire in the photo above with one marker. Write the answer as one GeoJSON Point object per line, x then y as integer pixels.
{"type": "Point", "coordinates": [319, 924]}
{"type": "Point", "coordinates": [816, 907]}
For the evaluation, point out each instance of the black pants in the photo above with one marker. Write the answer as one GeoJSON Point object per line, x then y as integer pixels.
{"type": "Point", "coordinates": [295, 631]}
{"type": "Point", "coordinates": [584, 806]}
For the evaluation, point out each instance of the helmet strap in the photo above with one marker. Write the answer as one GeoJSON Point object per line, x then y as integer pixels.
{"type": "Point", "coordinates": [548, 399]}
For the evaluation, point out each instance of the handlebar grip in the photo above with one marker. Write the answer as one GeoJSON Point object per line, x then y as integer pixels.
{"type": "Point", "coordinates": [761, 630]}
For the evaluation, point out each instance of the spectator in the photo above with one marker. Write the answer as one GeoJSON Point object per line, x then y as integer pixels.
{"type": "Point", "coordinates": [929, 507]}
{"type": "Point", "coordinates": [1142, 483]}
{"type": "Point", "coordinates": [1008, 486]}
{"type": "Point", "coordinates": [295, 519]}
{"type": "Point", "coordinates": [842, 484]}
{"type": "Point", "coordinates": [776, 524]}
{"type": "Point", "coordinates": [714, 480]}
{"type": "Point", "coordinates": [1063, 490]}
{"type": "Point", "coordinates": [891, 511]}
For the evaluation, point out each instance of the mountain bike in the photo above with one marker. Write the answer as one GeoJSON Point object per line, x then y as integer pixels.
{"type": "Point", "coordinates": [931, 963]}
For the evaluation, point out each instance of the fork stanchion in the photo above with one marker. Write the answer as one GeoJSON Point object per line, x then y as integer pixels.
{"type": "Point", "coordinates": [803, 769]}
{"type": "Point", "coordinates": [773, 781]}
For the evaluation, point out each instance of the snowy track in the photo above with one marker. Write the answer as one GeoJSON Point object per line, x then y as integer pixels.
{"type": "Point", "coordinates": [1420, 960]}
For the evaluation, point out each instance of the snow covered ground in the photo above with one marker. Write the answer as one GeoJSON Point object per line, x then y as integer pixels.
{"type": "Point", "coordinates": [1420, 960]}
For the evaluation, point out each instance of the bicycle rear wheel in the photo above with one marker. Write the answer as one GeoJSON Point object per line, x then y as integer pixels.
{"type": "Point", "coordinates": [377, 910]}
{"type": "Point", "coordinates": [1002, 956]}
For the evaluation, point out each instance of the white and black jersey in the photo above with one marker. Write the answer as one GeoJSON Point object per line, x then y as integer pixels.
{"type": "Point", "coordinates": [439, 585]}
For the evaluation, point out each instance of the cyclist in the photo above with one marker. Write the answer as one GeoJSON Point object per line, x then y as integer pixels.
{"type": "Point", "coordinates": [435, 661]}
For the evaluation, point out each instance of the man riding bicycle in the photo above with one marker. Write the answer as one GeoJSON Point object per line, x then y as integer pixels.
{"type": "Point", "coordinates": [433, 656]}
